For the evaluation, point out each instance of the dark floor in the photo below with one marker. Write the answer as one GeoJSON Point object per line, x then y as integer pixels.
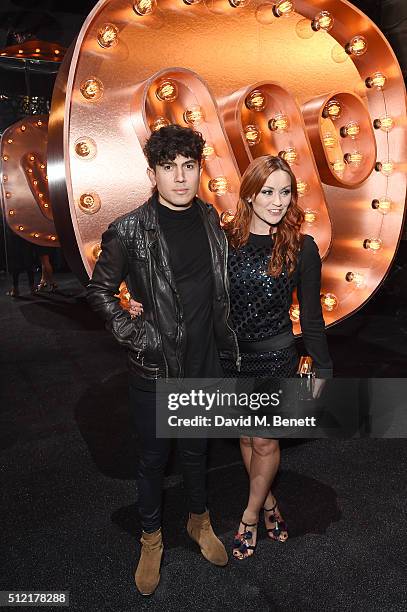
{"type": "Point", "coordinates": [67, 463]}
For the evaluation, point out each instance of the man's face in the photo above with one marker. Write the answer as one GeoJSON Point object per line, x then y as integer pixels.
{"type": "Point", "coordinates": [177, 182]}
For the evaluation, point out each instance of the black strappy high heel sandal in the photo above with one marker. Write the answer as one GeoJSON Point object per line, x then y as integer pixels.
{"type": "Point", "coordinates": [240, 543]}
{"type": "Point", "coordinates": [280, 531]}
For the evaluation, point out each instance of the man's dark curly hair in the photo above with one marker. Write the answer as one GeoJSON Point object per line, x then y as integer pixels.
{"type": "Point", "coordinates": [166, 143]}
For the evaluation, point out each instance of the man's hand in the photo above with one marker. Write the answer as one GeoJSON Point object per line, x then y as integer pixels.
{"type": "Point", "coordinates": [319, 384]}
{"type": "Point", "coordinates": [136, 308]}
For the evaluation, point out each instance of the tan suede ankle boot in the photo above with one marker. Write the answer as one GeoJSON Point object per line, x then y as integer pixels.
{"type": "Point", "coordinates": [200, 529]}
{"type": "Point", "coordinates": [147, 574]}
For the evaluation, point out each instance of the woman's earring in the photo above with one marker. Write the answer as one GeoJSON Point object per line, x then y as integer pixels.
{"type": "Point", "coordinates": [249, 201]}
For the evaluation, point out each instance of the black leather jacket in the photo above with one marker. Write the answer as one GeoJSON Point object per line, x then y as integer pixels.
{"type": "Point", "coordinates": [134, 250]}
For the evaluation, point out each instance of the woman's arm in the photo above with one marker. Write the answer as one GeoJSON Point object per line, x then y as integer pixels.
{"type": "Point", "coordinates": [311, 319]}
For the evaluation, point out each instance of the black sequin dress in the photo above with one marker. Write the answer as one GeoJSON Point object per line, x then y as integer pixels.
{"type": "Point", "coordinates": [260, 310]}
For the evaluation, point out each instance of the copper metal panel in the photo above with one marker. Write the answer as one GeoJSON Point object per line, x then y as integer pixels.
{"type": "Point", "coordinates": [24, 181]}
{"type": "Point", "coordinates": [229, 49]}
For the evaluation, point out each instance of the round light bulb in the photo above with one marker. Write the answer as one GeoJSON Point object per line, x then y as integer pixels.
{"type": "Point", "coordinates": [283, 8]}
{"type": "Point", "coordinates": [85, 148]}
{"type": "Point", "coordinates": [356, 278]}
{"type": "Point", "coordinates": [330, 140]}
{"type": "Point", "coordinates": [289, 155]}
{"type": "Point", "coordinates": [377, 80]}
{"type": "Point", "coordinates": [9, 140]}
{"type": "Point", "coordinates": [374, 244]}
{"type": "Point", "coordinates": [322, 21]}
{"type": "Point", "coordinates": [351, 129]}
{"type": "Point", "coordinates": [354, 158]}
{"type": "Point", "coordinates": [144, 7]}
{"type": "Point", "coordinates": [332, 109]}
{"type": "Point", "coordinates": [252, 135]}
{"type": "Point", "coordinates": [219, 185]}
{"type": "Point", "coordinates": [384, 123]}
{"type": "Point", "coordinates": [310, 216]}
{"type": "Point", "coordinates": [11, 212]}
{"type": "Point", "coordinates": [36, 235]}
{"type": "Point", "coordinates": [89, 203]}
{"type": "Point", "coordinates": [302, 187]}
{"type": "Point", "coordinates": [92, 89]}
{"type": "Point", "coordinates": [279, 123]}
{"type": "Point", "coordinates": [385, 167]}
{"type": "Point", "coordinates": [5, 157]}
{"type": "Point", "coordinates": [329, 302]}
{"type": "Point", "coordinates": [208, 151]}
{"type": "Point", "coordinates": [238, 3]}
{"type": "Point", "coordinates": [53, 238]}
{"type": "Point", "coordinates": [193, 115]}
{"type": "Point", "coordinates": [23, 128]}
{"type": "Point", "coordinates": [255, 101]}
{"type": "Point", "coordinates": [382, 205]}
{"type": "Point", "coordinates": [356, 46]}
{"type": "Point", "coordinates": [189, 2]}
{"type": "Point", "coordinates": [226, 217]}
{"type": "Point", "coordinates": [8, 194]}
{"type": "Point", "coordinates": [167, 91]}
{"type": "Point", "coordinates": [108, 35]}
{"type": "Point", "coordinates": [21, 228]}
{"type": "Point", "coordinates": [294, 313]}
{"type": "Point", "coordinates": [158, 123]}
{"type": "Point", "coordinates": [96, 251]}
{"type": "Point", "coordinates": [338, 166]}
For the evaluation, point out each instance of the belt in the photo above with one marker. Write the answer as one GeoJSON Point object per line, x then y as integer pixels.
{"type": "Point", "coordinates": [268, 345]}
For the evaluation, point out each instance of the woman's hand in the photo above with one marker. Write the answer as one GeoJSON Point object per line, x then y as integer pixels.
{"type": "Point", "coordinates": [136, 308]}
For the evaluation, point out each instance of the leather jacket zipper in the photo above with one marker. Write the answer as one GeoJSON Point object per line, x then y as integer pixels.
{"type": "Point", "coordinates": [156, 317]}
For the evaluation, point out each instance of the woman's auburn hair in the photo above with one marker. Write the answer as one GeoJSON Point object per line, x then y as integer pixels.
{"type": "Point", "coordinates": [287, 238]}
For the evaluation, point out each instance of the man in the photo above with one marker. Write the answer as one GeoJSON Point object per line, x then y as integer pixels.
{"type": "Point", "coordinates": [171, 253]}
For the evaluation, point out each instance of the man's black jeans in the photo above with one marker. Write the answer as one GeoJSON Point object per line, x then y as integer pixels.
{"type": "Point", "coordinates": [153, 459]}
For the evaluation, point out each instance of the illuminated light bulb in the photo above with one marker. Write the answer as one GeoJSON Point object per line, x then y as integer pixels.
{"type": "Point", "coordinates": [20, 51]}
{"type": "Point", "coordinates": [238, 3]}
{"type": "Point", "coordinates": [40, 195]}
{"type": "Point", "coordinates": [226, 217]}
{"type": "Point", "coordinates": [193, 115]}
{"type": "Point", "coordinates": [46, 205]}
{"type": "Point", "coordinates": [294, 313]}
{"type": "Point", "coordinates": [92, 89]}
{"type": "Point", "coordinates": [29, 170]}
{"type": "Point", "coordinates": [374, 244]}
{"type": "Point", "coordinates": [338, 166]}
{"type": "Point", "coordinates": [356, 278]}
{"type": "Point", "coordinates": [279, 123]}
{"type": "Point", "coordinates": [158, 124]}
{"type": "Point", "coordinates": [32, 158]}
{"type": "Point", "coordinates": [302, 187]}
{"type": "Point", "coordinates": [85, 148]}
{"type": "Point", "coordinates": [351, 129]}
{"type": "Point", "coordinates": [385, 167]}
{"type": "Point", "coordinates": [53, 238]}
{"type": "Point", "coordinates": [38, 50]}
{"type": "Point", "coordinates": [252, 135]}
{"type": "Point", "coordinates": [219, 185]}
{"type": "Point", "coordinates": [11, 212]}
{"type": "Point", "coordinates": [283, 8]}
{"type": "Point", "coordinates": [9, 140]}
{"type": "Point", "coordinates": [144, 7]}
{"type": "Point", "coordinates": [329, 302]}
{"type": "Point", "coordinates": [356, 46]}
{"type": "Point", "coordinates": [57, 52]}
{"type": "Point", "coordinates": [39, 123]}
{"type": "Point", "coordinates": [382, 205]}
{"type": "Point", "coordinates": [96, 251]}
{"type": "Point", "coordinates": [23, 128]}
{"type": "Point", "coordinates": [5, 178]}
{"type": "Point", "coordinates": [42, 166]}
{"type": "Point", "coordinates": [289, 155]}
{"type": "Point", "coordinates": [377, 80]}
{"type": "Point", "coordinates": [322, 21]}
{"type": "Point", "coordinates": [330, 140]}
{"type": "Point", "coordinates": [5, 157]}
{"type": "Point", "coordinates": [8, 194]}
{"type": "Point", "coordinates": [89, 203]}
{"type": "Point", "coordinates": [167, 91]}
{"type": "Point", "coordinates": [310, 216]}
{"type": "Point", "coordinates": [35, 183]}
{"type": "Point", "coordinates": [384, 123]}
{"type": "Point", "coordinates": [354, 158]}
{"type": "Point", "coordinates": [21, 228]}
{"type": "Point", "coordinates": [108, 35]}
{"type": "Point", "coordinates": [255, 101]}
{"type": "Point", "coordinates": [208, 151]}
{"type": "Point", "coordinates": [332, 109]}
{"type": "Point", "coordinates": [36, 235]}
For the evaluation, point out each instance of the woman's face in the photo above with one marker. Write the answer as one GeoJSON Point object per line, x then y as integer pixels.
{"type": "Point", "coordinates": [273, 200]}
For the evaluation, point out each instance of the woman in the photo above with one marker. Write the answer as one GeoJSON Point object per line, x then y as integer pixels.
{"type": "Point", "coordinates": [268, 259]}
